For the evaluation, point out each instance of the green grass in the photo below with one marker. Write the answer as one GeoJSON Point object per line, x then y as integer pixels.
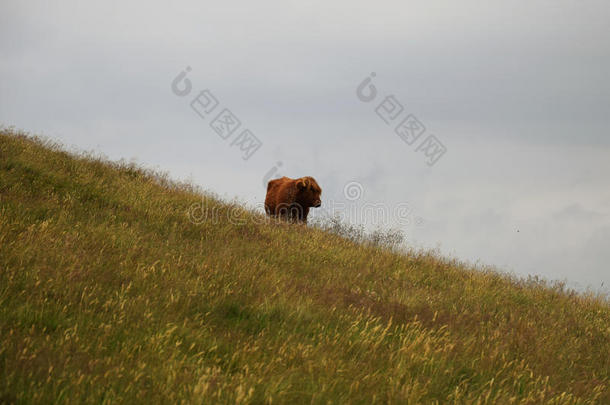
{"type": "Point", "coordinates": [110, 294]}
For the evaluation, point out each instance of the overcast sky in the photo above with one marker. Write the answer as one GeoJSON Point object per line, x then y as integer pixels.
{"type": "Point", "coordinates": [517, 93]}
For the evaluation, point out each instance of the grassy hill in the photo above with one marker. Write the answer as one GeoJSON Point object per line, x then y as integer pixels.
{"type": "Point", "coordinates": [109, 293]}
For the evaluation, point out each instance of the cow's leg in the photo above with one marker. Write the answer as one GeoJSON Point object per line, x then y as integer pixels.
{"type": "Point", "coordinates": [305, 213]}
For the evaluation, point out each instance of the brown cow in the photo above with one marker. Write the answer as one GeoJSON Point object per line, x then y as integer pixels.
{"type": "Point", "coordinates": [291, 199]}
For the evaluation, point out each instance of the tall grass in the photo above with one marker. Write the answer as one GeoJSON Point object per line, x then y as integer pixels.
{"type": "Point", "coordinates": [111, 293]}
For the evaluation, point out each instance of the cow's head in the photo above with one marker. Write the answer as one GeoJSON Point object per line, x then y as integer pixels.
{"type": "Point", "coordinates": [309, 192]}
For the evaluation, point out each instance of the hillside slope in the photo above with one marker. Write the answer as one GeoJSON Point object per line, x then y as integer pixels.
{"type": "Point", "coordinates": [109, 293]}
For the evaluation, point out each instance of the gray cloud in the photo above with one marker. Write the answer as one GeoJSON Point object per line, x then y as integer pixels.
{"type": "Point", "coordinates": [517, 92]}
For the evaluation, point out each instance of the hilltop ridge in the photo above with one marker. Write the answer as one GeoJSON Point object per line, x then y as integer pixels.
{"type": "Point", "coordinates": [110, 293]}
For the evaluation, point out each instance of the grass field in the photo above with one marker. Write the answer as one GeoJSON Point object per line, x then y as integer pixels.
{"type": "Point", "coordinates": [109, 293]}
